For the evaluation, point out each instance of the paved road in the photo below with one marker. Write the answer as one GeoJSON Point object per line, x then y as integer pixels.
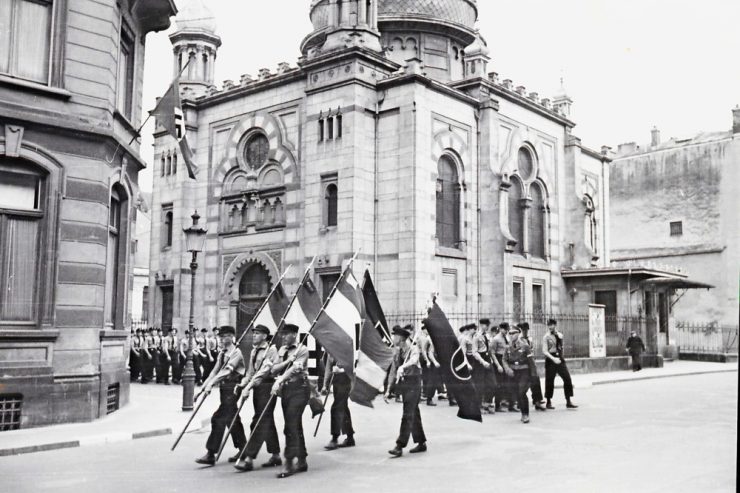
{"type": "Point", "coordinates": [675, 434]}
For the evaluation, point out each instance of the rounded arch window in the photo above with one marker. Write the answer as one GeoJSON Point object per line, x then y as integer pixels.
{"type": "Point", "coordinates": [256, 150]}
{"type": "Point", "coordinates": [525, 163]}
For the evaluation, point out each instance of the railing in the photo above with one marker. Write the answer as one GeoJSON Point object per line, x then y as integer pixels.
{"type": "Point", "coordinates": [139, 324]}
{"type": "Point", "coordinates": [706, 338]}
{"type": "Point", "coordinates": [574, 326]}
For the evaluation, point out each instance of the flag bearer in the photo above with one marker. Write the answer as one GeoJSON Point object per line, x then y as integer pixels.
{"type": "Point", "coordinates": [291, 384]}
{"type": "Point", "coordinates": [341, 418]}
{"type": "Point", "coordinates": [406, 372]}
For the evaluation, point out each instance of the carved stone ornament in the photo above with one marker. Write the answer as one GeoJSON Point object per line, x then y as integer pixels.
{"type": "Point", "coordinates": [13, 139]}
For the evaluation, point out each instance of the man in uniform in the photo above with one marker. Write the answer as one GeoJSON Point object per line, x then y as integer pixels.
{"type": "Point", "coordinates": [291, 384]}
{"type": "Point", "coordinates": [260, 380]}
{"type": "Point", "coordinates": [207, 361]}
{"type": "Point", "coordinates": [406, 372]}
{"type": "Point", "coordinates": [635, 347]}
{"type": "Point", "coordinates": [341, 418]}
{"type": "Point", "coordinates": [485, 380]}
{"type": "Point", "coordinates": [534, 378]}
{"type": "Point", "coordinates": [227, 373]}
{"type": "Point", "coordinates": [135, 355]}
{"type": "Point", "coordinates": [552, 348]}
{"type": "Point", "coordinates": [158, 355]}
{"type": "Point", "coordinates": [165, 361]}
{"type": "Point", "coordinates": [497, 348]}
{"type": "Point", "coordinates": [147, 363]}
{"type": "Point", "coordinates": [430, 369]}
{"type": "Point", "coordinates": [174, 354]}
{"type": "Point", "coordinates": [516, 365]}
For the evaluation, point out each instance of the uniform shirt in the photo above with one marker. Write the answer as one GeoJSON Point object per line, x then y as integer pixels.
{"type": "Point", "coordinates": [499, 344]}
{"type": "Point", "coordinates": [184, 343]}
{"type": "Point", "coordinates": [406, 358]}
{"type": "Point", "coordinates": [136, 343]}
{"type": "Point", "coordinates": [468, 344]}
{"type": "Point", "coordinates": [298, 371]}
{"type": "Point", "coordinates": [553, 344]}
{"type": "Point", "coordinates": [263, 357]}
{"type": "Point", "coordinates": [231, 361]}
{"type": "Point", "coordinates": [516, 355]}
{"type": "Point", "coordinates": [151, 343]}
{"type": "Point", "coordinates": [529, 341]}
{"type": "Point", "coordinates": [212, 344]}
{"type": "Point", "coordinates": [481, 342]}
{"type": "Point", "coordinates": [426, 349]}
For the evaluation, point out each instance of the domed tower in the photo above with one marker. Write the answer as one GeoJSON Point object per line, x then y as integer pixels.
{"type": "Point", "coordinates": [195, 43]}
{"type": "Point", "coordinates": [435, 31]}
{"type": "Point", "coordinates": [340, 24]}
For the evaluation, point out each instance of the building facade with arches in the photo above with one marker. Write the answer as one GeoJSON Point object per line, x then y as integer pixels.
{"type": "Point", "coordinates": [390, 137]}
{"type": "Point", "coordinates": [70, 101]}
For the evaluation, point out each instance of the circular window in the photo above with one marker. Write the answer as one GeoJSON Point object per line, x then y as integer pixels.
{"type": "Point", "coordinates": [526, 164]}
{"type": "Point", "coordinates": [256, 151]}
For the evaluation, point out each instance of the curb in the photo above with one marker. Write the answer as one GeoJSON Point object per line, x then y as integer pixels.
{"type": "Point", "coordinates": [114, 437]}
{"type": "Point", "coordinates": [654, 377]}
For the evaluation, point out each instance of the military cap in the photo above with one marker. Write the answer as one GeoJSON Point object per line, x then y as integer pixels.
{"type": "Point", "coordinates": [504, 325]}
{"type": "Point", "coordinates": [291, 328]}
{"type": "Point", "coordinates": [402, 331]}
{"type": "Point", "coordinates": [226, 330]}
{"type": "Point", "coordinates": [467, 327]}
{"type": "Point", "coordinates": [261, 328]}
{"type": "Point", "coordinates": [524, 326]}
{"type": "Point", "coordinates": [484, 321]}
{"type": "Point", "coordinates": [514, 329]}
{"type": "Point", "coordinates": [552, 321]}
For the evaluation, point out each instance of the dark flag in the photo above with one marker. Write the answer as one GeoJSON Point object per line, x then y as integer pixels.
{"type": "Point", "coordinates": [455, 369]}
{"type": "Point", "coordinates": [374, 356]}
{"type": "Point", "coordinates": [272, 313]}
{"type": "Point", "coordinates": [169, 112]}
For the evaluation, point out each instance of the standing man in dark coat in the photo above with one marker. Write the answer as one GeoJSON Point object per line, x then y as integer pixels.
{"type": "Point", "coordinates": [635, 347]}
{"type": "Point", "coordinates": [552, 348]}
{"type": "Point", "coordinates": [341, 418]}
{"type": "Point", "coordinates": [227, 373]}
{"type": "Point", "coordinates": [516, 365]}
{"type": "Point", "coordinates": [534, 378]}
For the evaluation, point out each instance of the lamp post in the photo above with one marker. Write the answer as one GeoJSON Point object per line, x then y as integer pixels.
{"type": "Point", "coordinates": [195, 237]}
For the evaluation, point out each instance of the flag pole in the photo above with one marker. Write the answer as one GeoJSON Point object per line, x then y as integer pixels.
{"type": "Point", "coordinates": [326, 399]}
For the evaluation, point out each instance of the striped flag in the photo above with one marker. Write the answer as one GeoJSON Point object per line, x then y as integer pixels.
{"type": "Point", "coordinates": [306, 306]}
{"type": "Point", "coordinates": [374, 356]}
{"type": "Point", "coordinates": [337, 325]}
{"type": "Point", "coordinates": [273, 311]}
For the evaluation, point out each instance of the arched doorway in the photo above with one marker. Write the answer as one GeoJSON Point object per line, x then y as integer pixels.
{"type": "Point", "coordinates": [254, 287]}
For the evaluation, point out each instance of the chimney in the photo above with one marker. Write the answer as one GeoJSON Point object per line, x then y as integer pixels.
{"type": "Point", "coordinates": [654, 137]}
{"type": "Point", "coordinates": [736, 120]}
{"type": "Point", "coordinates": [626, 148]}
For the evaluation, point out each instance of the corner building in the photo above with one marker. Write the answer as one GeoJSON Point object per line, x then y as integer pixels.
{"type": "Point", "coordinates": [71, 75]}
{"type": "Point", "coordinates": [391, 137]}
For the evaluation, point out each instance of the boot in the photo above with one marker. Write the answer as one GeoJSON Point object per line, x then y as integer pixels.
{"type": "Point", "coordinates": [570, 405]}
{"type": "Point", "coordinates": [332, 445]}
{"type": "Point", "coordinates": [288, 469]}
{"type": "Point", "coordinates": [209, 459]}
{"type": "Point", "coordinates": [245, 465]}
{"type": "Point", "coordinates": [301, 465]}
{"type": "Point", "coordinates": [525, 418]}
{"type": "Point", "coordinates": [274, 461]}
{"type": "Point", "coordinates": [396, 451]}
{"type": "Point", "coordinates": [234, 458]}
{"type": "Point", "coordinates": [420, 447]}
{"type": "Point", "coordinates": [430, 402]}
{"type": "Point", "coordinates": [539, 406]}
{"type": "Point", "coordinates": [348, 442]}
{"type": "Point", "coordinates": [549, 404]}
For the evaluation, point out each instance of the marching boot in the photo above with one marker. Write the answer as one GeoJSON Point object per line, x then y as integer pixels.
{"type": "Point", "coordinates": [209, 459]}
{"type": "Point", "coordinates": [420, 447]}
{"type": "Point", "coordinates": [245, 465]}
{"type": "Point", "coordinates": [396, 451]}
{"type": "Point", "coordinates": [274, 461]}
{"type": "Point", "coordinates": [234, 458]}
{"type": "Point", "coordinates": [288, 469]}
{"type": "Point", "coordinates": [549, 405]}
{"type": "Point", "coordinates": [348, 442]}
{"type": "Point", "coordinates": [570, 405]}
{"type": "Point", "coordinates": [301, 465]}
{"type": "Point", "coordinates": [332, 445]}
{"type": "Point", "coordinates": [525, 418]}
{"type": "Point", "coordinates": [539, 406]}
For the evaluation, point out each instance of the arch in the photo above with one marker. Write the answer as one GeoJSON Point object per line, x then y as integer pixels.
{"type": "Point", "coordinates": [537, 222]}
{"type": "Point", "coordinates": [233, 156]}
{"type": "Point", "coordinates": [448, 202]}
{"type": "Point", "coordinates": [331, 196]}
{"type": "Point", "coordinates": [448, 142]}
{"type": "Point", "coordinates": [235, 271]}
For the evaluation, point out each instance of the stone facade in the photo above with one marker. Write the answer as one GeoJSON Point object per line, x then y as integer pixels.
{"type": "Point", "coordinates": [447, 180]}
{"type": "Point", "coordinates": [70, 102]}
{"type": "Point", "coordinates": [676, 202]}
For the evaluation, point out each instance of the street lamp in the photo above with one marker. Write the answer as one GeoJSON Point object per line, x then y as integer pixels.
{"type": "Point", "coordinates": [195, 238]}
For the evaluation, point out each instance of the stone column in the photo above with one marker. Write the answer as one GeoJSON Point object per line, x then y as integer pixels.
{"type": "Point", "coordinates": [345, 12]}
{"type": "Point", "coordinates": [526, 208]}
{"type": "Point", "coordinates": [362, 12]}
{"type": "Point", "coordinates": [333, 13]}
{"type": "Point", "coordinates": [374, 14]}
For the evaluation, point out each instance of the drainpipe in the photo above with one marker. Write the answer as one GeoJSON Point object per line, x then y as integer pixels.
{"type": "Point", "coordinates": [376, 117]}
{"type": "Point", "coordinates": [478, 211]}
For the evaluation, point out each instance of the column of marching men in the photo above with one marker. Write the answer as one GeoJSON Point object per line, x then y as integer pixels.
{"type": "Point", "coordinates": [503, 372]}
{"type": "Point", "coordinates": [160, 358]}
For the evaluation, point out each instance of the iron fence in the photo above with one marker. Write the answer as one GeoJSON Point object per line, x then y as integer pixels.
{"type": "Point", "coordinates": [709, 337]}
{"type": "Point", "coordinates": [574, 326]}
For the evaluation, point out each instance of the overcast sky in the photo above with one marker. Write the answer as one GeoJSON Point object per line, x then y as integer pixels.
{"type": "Point", "coordinates": [627, 64]}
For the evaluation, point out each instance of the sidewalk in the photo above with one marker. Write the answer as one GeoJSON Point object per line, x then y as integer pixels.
{"type": "Point", "coordinates": [154, 410]}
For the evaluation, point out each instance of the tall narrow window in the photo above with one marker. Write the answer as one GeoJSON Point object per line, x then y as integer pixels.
{"type": "Point", "coordinates": [517, 300]}
{"type": "Point", "coordinates": [111, 264]}
{"type": "Point", "coordinates": [168, 169]}
{"type": "Point", "coordinates": [330, 128]}
{"type": "Point", "coordinates": [25, 39]}
{"type": "Point", "coordinates": [21, 216]}
{"type": "Point", "coordinates": [174, 163]}
{"type": "Point", "coordinates": [331, 205]}
{"type": "Point", "coordinates": [167, 226]}
{"type": "Point", "coordinates": [589, 226]}
{"type": "Point", "coordinates": [125, 90]}
{"type": "Point", "coordinates": [339, 126]}
{"type": "Point", "coordinates": [448, 203]}
{"type": "Point", "coordinates": [516, 215]}
{"type": "Point", "coordinates": [537, 223]}
{"type": "Point", "coordinates": [538, 302]}
{"type": "Point", "coordinates": [164, 164]}
{"type": "Point", "coordinates": [321, 129]}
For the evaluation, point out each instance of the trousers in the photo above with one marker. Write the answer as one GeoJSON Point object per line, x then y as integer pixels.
{"type": "Point", "coordinates": [561, 370]}
{"type": "Point", "coordinates": [520, 383]}
{"type": "Point", "coordinates": [221, 419]}
{"type": "Point", "coordinates": [293, 401]}
{"type": "Point", "coordinates": [265, 431]}
{"type": "Point", "coordinates": [636, 360]}
{"type": "Point", "coordinates": [341, 418]}
{"type": "Point", "coordinates": [411, 426]}
{"type": "Point", "coordinates": [431, 381]}
{"type": "Point", "coordinates": [134, 364]}
{"type": "Point", "coordinates": [503, 387]}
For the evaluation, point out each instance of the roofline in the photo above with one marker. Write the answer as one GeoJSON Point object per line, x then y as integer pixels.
{"type": "Point", "coordinates": [619, 271]}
